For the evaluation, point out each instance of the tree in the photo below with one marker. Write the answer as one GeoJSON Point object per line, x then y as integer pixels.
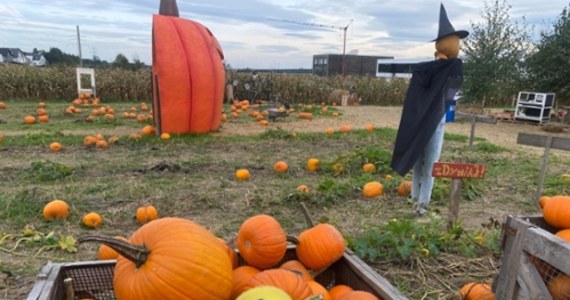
{"type": "Point", "coordinates": [494, 58]}
{"type": "Point", "coordinates": [550, 65]}
{"type": "Point", "coordinates": [56, 57]}
{"type": "Point", "coordinates": [121, 61]}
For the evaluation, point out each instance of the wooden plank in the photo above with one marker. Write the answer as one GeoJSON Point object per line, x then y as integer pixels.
{"type": "Point", "coordinates": [513, 236]}
{"type": "Point", "coordinates": [458, 170]}
{"type": "Point", "coordinates": [542, 174]}
{"type": "Point", "coordinates": [531, 284]}
{"type": "Point", "coordinates": [455, 194]}
{"type": "Point", "coordinates": [381, 286]}
{"type": "Point", "coordinates": [477, 118]}
{"type": "Point", "coordinates": [549, 248]}
{"type": "Point", "coordinates": [542, 140]}
{"type": "Point", "coordinates": [39, 287]}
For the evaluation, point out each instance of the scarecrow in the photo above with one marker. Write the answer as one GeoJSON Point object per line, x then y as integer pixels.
{"type": "Point", "coordinates": [431, 90]}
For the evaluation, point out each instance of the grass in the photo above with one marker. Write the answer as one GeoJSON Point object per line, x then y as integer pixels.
{"type": "Point", "coordinates": [193, 177]}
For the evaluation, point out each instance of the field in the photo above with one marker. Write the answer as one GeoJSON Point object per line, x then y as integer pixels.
{"type": "Point", "coordinates": [193, 177]}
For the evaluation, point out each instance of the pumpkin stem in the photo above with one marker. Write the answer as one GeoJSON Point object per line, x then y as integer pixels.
{"type": "Point", "coordinates": [168, 8]}
{"type": "Point", "coordinates": [307, 214]}
{"type": "Point", "coordinates": [138, 254]}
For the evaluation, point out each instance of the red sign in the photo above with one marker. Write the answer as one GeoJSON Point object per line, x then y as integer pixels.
{"type": "Point", "coordinates": [458, 170]}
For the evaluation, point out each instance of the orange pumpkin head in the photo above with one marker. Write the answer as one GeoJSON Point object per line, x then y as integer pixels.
{"type": "Point", "coordinates": [188, 75]}
{"type": "Point", "coordinates": [163, 258]}
{"type": "Point", "coordinates": [261, 241]}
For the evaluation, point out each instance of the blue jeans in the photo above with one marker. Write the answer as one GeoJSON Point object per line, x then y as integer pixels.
{"type": "Point", "coordinates": [422, 181]}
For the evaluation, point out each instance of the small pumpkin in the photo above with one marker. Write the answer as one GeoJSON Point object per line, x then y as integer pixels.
{"type": "Point", "coordinates": [2, 105]}
{"type": "Point", "coordinates": [148, 130]}
{"type": "Point", "coordinates": [557, 212]}
{"type": "Point", "coordinates": [292, 284]}
{"type": "Point", "coordinates": [280, 167]}
{"type": "Point", "coordinates": [242, 174]}
{"type": "Point", "coordinates": [358, 295]}
{"type": "Point", "coordinates": [92, 220]}
{"type": "Point", "coordinates": [313, 164]}
{"type": "Point", "coordinates": [102, 144]}
{"type": "Point", "coordinates": [372, 189]}
{"type": "Point", "coordinates": [345, 128]}
{"type": "Point", "coordinates": [55, 147]}
{"type": "Point", "coordinates": [43, 119]}
{"type": "Point", "coordinates": [339, 290]}
{"type": "Point", "coordinates": [559, 287]}
{"type": "Point", "coordinates": [41, 112]}
{"type": "Point", "coordinates": [564, 234]}
{"type": "Point", "coordinates": [56, 209]}
{"type": "Point", "coordinates": [89, 140]}
{"type": "Point", "coordinates": [297, 267]}
{"type": "Point", "coordinates": [319, 289]}
{"type": "Point", "coordinates": [476, 291]}
{"type": "Point", "coordinates": [369, 168]}
{"type": "Point", "coordinates": [146, 214]}
{"type": "Point", "coordinates": [305, 115]}
{"type": "Point", "coordinates": [404, 188]}
{"type": "Point", "coordinates": [265, 293]}
{"type": "Point", "coordinates": [165, 136]}
{"type": "Point", "coordinates": [261, 241]}
{"type": "Point", "coordinates": [163, 258]}
{"type": "Point", "coordinates": [369, 127]}
{"type": "Point", "coordinates": [330, 131]}
{"type": "Point", "coordinates": [240, 278]}
{"type": "Point", "coordinates": [106, 252]}
{"type": "Point", "coordinates": [304, 188]}
{"type": "Point", "coordinates": [542, 201]}
{"type": "Point", "coordinates": [320, 246]}
{"type": "Point", "coordinates": [29, 119]}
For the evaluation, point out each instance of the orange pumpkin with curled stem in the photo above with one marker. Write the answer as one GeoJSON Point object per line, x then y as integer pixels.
{"type": "Point", "coordinates": [162, 260]}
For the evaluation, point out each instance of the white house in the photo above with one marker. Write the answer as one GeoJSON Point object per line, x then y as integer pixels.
{"type": "Point", "coordinates": [17, 56]}
{"type": "Point", "coordinates": [36, 59]}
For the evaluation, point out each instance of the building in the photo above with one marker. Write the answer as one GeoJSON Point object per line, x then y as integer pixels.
{"type": "Point", "coordinates": [17, 56]}
{"type": "Point", "coordinates": [332, 64]}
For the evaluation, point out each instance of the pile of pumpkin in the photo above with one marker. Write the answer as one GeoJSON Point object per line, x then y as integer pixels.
{"type": "Point", "coordinates": [175, 258]}
{"type": "Point", "coordinates": [556, 212]}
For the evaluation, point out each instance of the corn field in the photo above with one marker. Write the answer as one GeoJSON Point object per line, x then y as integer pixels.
{"type": "Point", "coordinates": [59, 83]}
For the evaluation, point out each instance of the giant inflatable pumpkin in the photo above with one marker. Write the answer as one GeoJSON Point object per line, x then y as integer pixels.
{"type": "Point", "coordinates": [187, 74]}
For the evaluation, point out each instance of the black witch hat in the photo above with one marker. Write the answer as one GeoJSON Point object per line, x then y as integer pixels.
{"type": "Point", "coordinates": [445, 27]}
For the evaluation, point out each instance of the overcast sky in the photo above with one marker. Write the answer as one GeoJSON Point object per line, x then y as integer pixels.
{"type": "Point", "coordinates": [253, 33]}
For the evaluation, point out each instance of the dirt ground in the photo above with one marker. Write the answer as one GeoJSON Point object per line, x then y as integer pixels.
{"type": "Point", "coordinates": [504, 133]}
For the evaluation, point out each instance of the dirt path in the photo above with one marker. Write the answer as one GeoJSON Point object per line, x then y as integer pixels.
{"type": "Point", "coordinates": [503, 133]}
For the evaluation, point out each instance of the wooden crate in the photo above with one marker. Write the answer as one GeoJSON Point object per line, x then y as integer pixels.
{"type": "Point", "coordinates": [531, 256]}
{"type": "Point", "coordinates": [94, 279]}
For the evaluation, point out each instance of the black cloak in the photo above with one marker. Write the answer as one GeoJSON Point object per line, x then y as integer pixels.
{"type": "Point", "coordinates": [424, 108]}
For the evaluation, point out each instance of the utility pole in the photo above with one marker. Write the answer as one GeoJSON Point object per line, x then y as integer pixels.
{"type": "Point", "coordinates": [79, 45]}
{"type": "Point", "coordinates": [343, 28]}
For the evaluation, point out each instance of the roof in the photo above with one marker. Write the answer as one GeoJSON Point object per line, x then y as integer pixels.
{"type": "Point", "coordinates": [13, 52]}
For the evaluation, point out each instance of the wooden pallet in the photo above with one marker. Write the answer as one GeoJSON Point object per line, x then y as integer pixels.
{"type": "Point", "coordinates": [504, 116]}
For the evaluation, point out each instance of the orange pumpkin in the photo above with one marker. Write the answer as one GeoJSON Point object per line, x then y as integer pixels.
{"type": "Point", "coordinates": [369, 127]}
{"type": "Point", "coordinates": [339, 290]}
{"type": "Point", "coordinates": [165, 136]}
{"type": "Point", "coordinates": [559, 287]}
{"type": "Point", "coordinates": [242, 174]}
{"type": "Point", "coordinates": [92, 220]}
{"type": "Point", "coordinates": [288, 281]}
{"type": "Point", "coordinates": [146, 214]}
{"type": "Point", "coordinates": [404, 188]}
{"type": "Point", "coordinates": [320, 246]}
{"type": "Point", "coordinates": [313, 164]}
{"type": "Point", "coordinates": [330, 131]}
{"type": "Point", "coordinates": [298, 267]}
{"type": "Point", "coordinates": [231, 253]}
{"type": "Point", "coordinates": [542, 201]}
{"type": "Point", "coordinates": [101, 144]}
{"type": "Point", "coordinates": [261, 241]}
{"type": "Point", "coordinates": [43, 119]}
{"type": "Point", "coordinates": [163, 258]}
{"type": "Point", "coordinates": [241, 276]}
{"type": "Point", "coordinates": [280, 167]}
{"type": "Point", "coordinates": [106, 252]}
{"type": "Point", "coordinates": [369, 168]}
{"type": "Point", "coordinates": [188, 76]}
{"type": "Point", "coordinates": [89, 140]}
{"type": "Point", "coordinates": [319, 289]}
{"type": "Point", "coordinates": [564, 234]}
{"type": "Point", "coordinates": [55, 147]}
{"type": "Point", "coordinates": [477, 291]}
{"type": "Point", "coordinates": [304, 188]}
{"type": "Point", "coordinates": [372, 189]}
{"type": "Point", "coordinates": [29, 119]}
{"type": "Point", "coordinates": [358, 295]}
{"type": "Point", "coordinates": [557, 212]}
{"type": "Point", "coordinates": [2, 105]}
{"type": "Point", "coordinates": [148, 130]}
{"type": "Point", "coordinates": [305, 115]}
{"type": "Point", "coordinates": [56, 209]}
{"type": "Point", "coordinates": [345, 128]}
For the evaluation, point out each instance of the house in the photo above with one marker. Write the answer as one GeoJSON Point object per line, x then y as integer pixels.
{"type": "Point", "coordinates": [332, 64]}
{"type": "Point", "coordinates": [13, 55]}
{"type": "Point", "coordinates": [36, 59]}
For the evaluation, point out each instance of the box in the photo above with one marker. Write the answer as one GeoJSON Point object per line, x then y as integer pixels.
{"type": "Point", "coordinates": [532, 259]}
{"type": "Point", "coordinates": [94, 279]}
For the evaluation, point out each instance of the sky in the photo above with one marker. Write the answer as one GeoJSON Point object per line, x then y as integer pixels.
{"type": "Point", "coordinates": [260, 34]}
